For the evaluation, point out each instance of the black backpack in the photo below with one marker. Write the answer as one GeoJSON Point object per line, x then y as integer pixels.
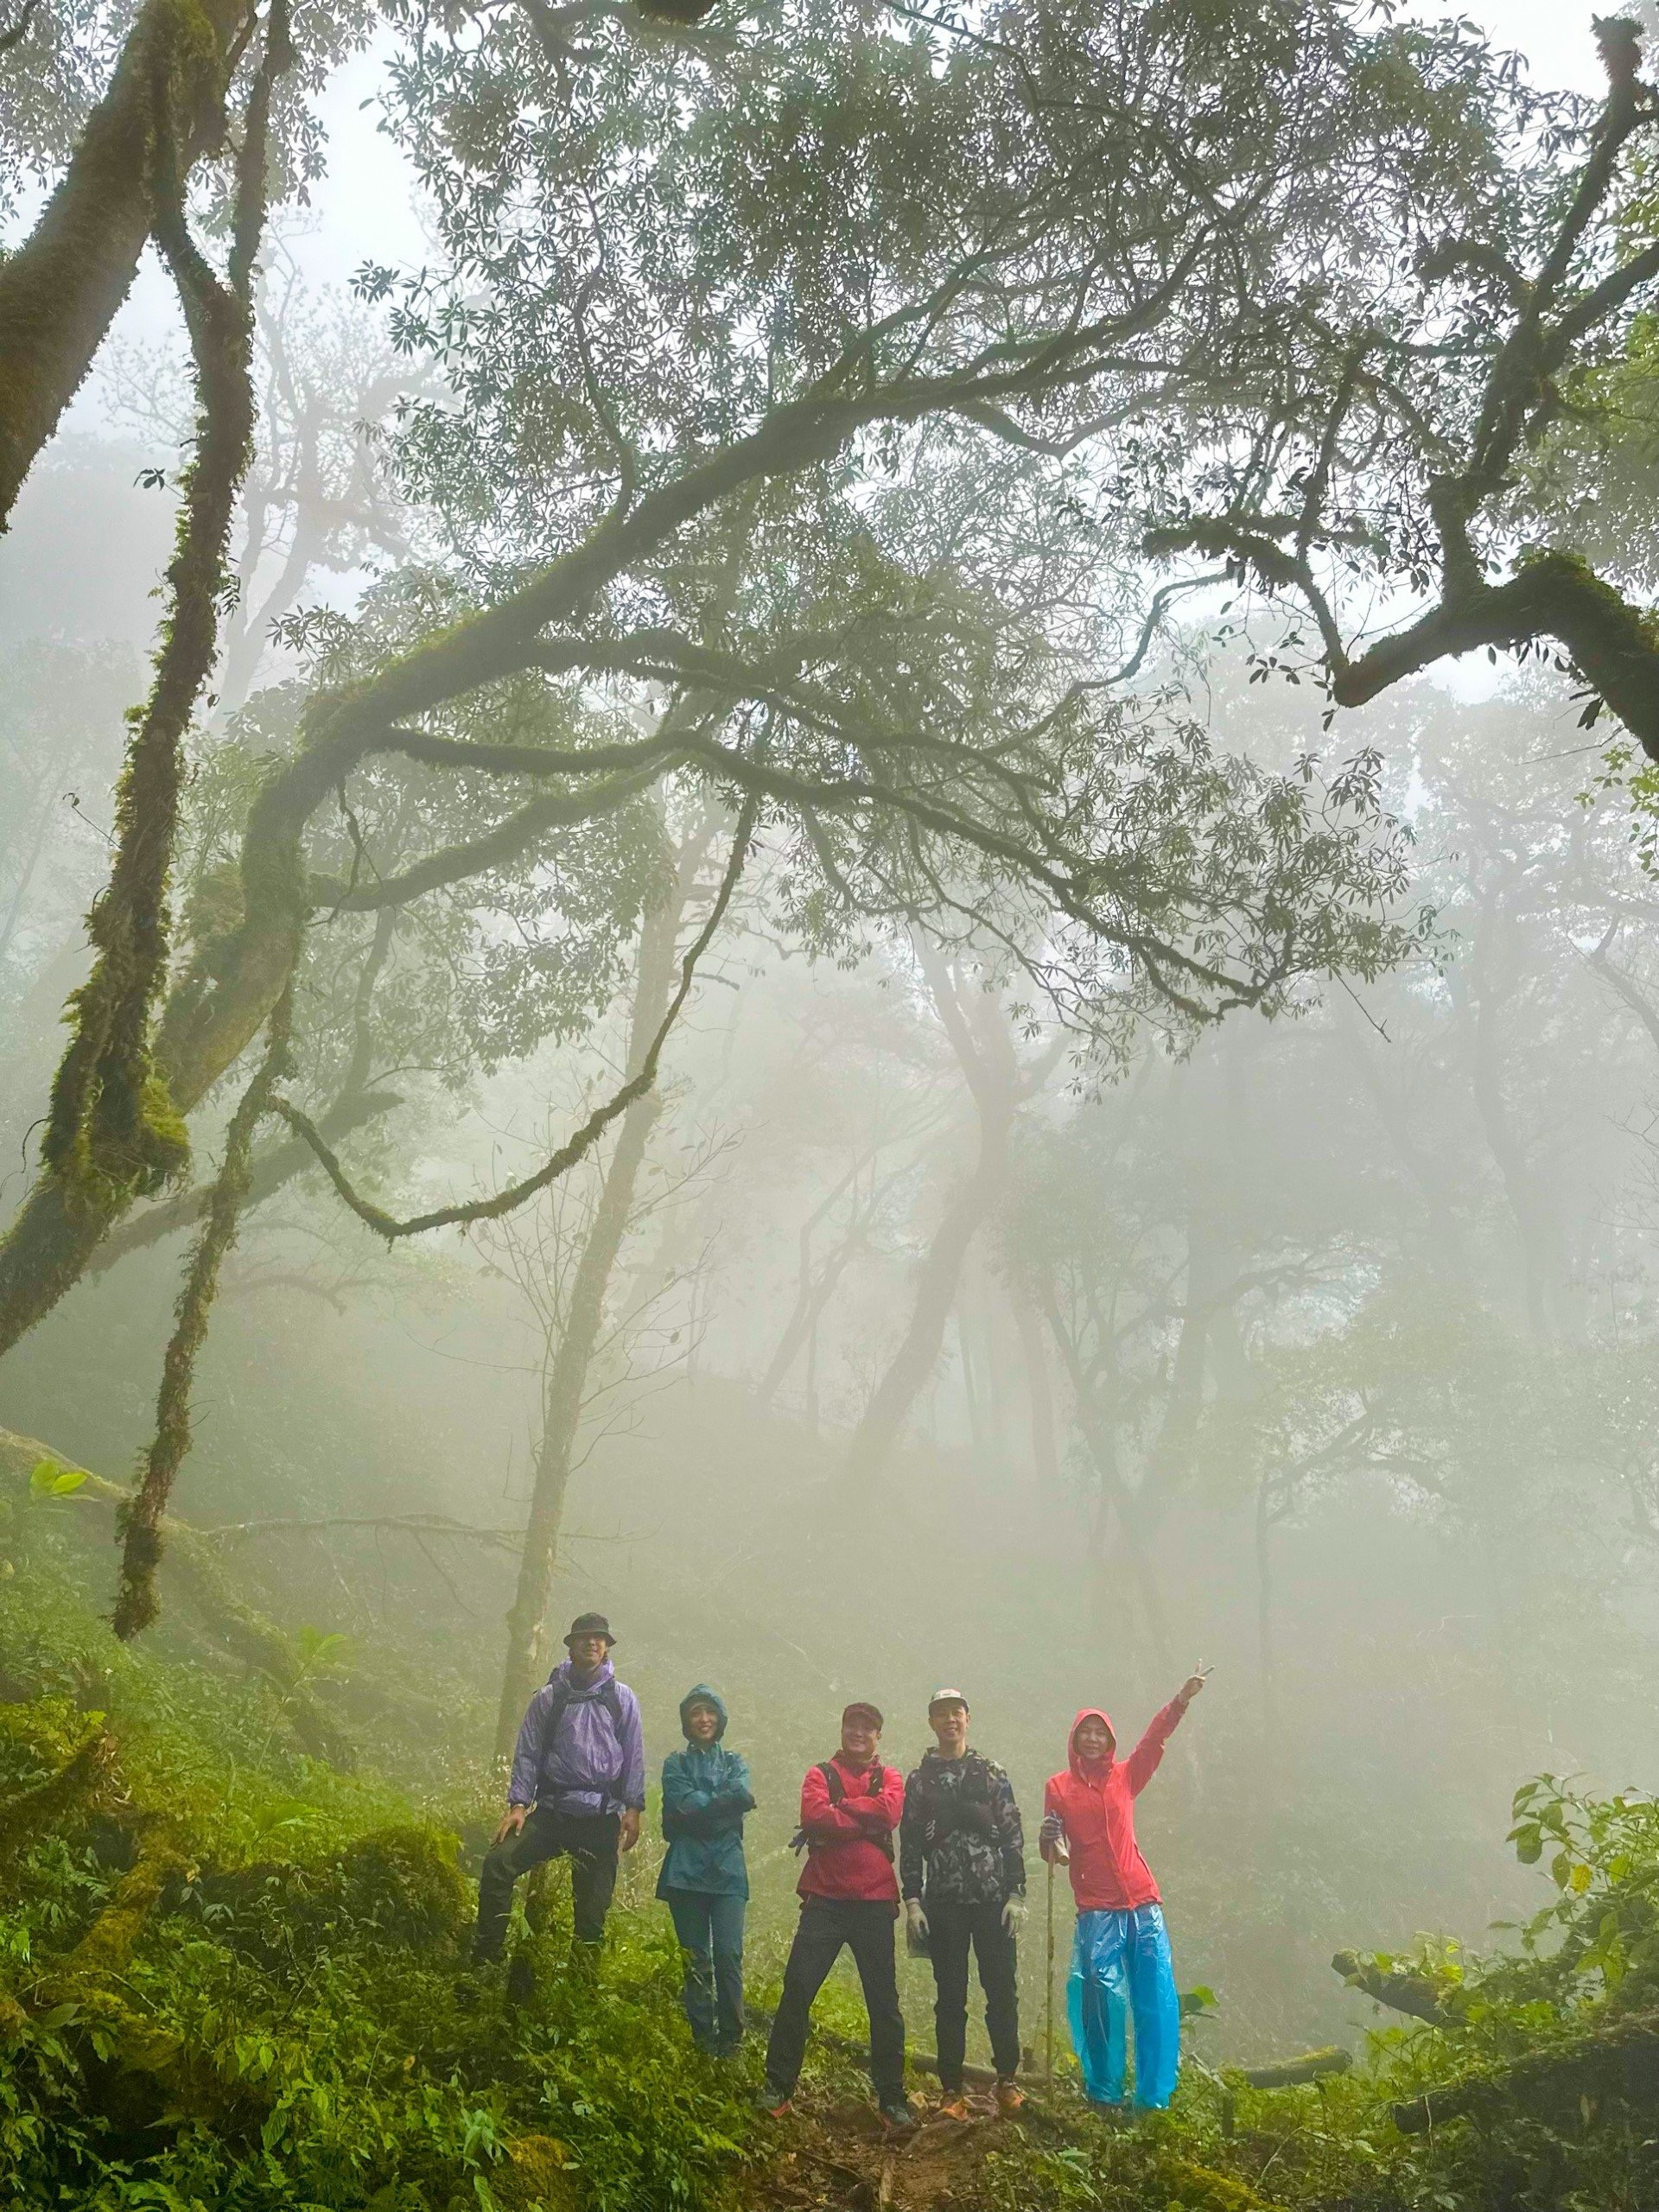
{"type": "Point", "coordinates": [837, 1788]}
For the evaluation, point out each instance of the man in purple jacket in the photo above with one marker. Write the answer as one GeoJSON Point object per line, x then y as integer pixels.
{"type": "Point", "coordinates": [578, 1787]}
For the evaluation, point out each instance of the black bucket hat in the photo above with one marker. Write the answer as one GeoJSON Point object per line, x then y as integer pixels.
{"type": "Point", "coordinates": [588, 1625]}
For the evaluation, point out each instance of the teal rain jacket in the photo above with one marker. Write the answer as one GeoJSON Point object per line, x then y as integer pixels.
{"type": "Point", "coordinates": [705, 1796]}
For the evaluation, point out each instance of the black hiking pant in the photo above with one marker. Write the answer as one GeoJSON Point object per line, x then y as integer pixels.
{"type": "Point", "coordinates": [589, 1840]}
{"type": "Point", "coordinates": [952, 1931]}
{"type": "Point", "coordinates": [827, 1925]}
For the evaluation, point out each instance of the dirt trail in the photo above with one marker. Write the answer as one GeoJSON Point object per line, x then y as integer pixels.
{"type": "Point", "coordinates": [840, 2156]}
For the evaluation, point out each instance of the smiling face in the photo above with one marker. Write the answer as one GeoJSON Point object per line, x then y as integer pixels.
{"type": "Point", "coordinates": [587, 1652]}
{"type": "Point", "coordinates": [701, 1723]}
{"type": "Point", "coordinates": [858, 1740]}
{"type": "Point", "coordinates": [1093, 1740]}
{"type": "Point", "coordinates": [950, 1725]}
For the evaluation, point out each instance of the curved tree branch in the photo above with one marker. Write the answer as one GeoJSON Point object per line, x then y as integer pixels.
{"type": "Point", "coordinates": [517, 1194]}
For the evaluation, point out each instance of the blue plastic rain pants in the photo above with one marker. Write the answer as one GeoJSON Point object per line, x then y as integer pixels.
{"type": "Point", "coordinates": [1121, 1965]}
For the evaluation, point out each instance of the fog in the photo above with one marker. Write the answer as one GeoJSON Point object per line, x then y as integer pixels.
{"type": "Point", "coordinates": [1316, 1349]}
{"type": "Point", "coordinates": [953, 1302]}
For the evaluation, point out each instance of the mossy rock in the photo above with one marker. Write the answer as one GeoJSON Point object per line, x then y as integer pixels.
{"type": "Point", "coordinates": [536, 2176]}
{"type": "Point", "coordinates": [407, 1880]}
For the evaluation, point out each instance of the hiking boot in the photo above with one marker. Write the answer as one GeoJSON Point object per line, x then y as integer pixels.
{"type": "Point", "coordinates": [952, 2105]}
{"type": "Point", "coordinates": [1010, 2099]}
{"type": "Point", "coordinates": [896, 2115]}
{"type": "Point", "coordinates": [776, 2104]}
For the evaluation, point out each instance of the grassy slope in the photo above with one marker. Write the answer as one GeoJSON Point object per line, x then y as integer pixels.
{"type": "Point", "coordinates": [230, 1976]}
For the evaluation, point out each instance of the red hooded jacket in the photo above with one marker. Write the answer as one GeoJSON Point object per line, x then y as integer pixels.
{"type": "Point", "coordinates": [843, 1856]}
{"type": "Point", "coordinates": [1096, 1806]}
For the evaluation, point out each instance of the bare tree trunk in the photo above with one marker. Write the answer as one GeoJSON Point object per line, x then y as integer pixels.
{"type": "Point", "coordinates": [1442, 1235]}
{"type": "Point", "coordinates": [1094, 1405]}
{"type": "Point", "coordinates": [979, 1037]}
{"type": "Point", "coordinates": [565, 1384]}
{"type": "Point", "coordinates": [813, 1292]}
{"type": "Point", "coordinates": [1265, 1641]}
{"type": "Point", "coordinates": [910, 1369]}
{"type": "Point", "coordinates": [1550, 1308]}
{"type": "Point", "coordinates": [1044, 1448]}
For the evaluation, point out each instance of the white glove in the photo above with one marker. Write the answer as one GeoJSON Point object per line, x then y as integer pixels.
{"type": "Point", "coordinates": [1014, 1916]}
{"type": "Point", "coordinates": [915, 1918]}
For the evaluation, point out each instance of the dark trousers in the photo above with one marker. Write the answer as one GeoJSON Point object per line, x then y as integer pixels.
{"type": "Point", "coordinates": [710, 1928]}
{"type": "Point", "coordinates": [953, 1930]}
{"type": "Point", "coordinates": [590, 1841]}
{"type": "Point", "coordinates": [827, 1924]}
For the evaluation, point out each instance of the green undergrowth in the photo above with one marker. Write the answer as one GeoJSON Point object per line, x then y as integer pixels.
{"type": "Point", "coordinates": [233, 1976]}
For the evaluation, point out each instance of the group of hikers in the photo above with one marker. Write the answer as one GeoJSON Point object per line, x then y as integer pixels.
{"type": "Point", "coordinates": [945, 1845]}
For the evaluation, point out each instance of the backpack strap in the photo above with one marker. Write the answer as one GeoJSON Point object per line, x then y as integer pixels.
{"type": "Point", "coordinates": [563, 1697]}
{"type": "Point", "coordinates": [836, 1785]}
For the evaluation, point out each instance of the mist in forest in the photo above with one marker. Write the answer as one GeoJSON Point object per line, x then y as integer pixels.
{"type": "Point", "coordinates": [898, 1337]}
{"type": "Point", "coordinates": [879, 1092]}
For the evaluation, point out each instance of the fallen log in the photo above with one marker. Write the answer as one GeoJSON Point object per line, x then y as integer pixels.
{"type": "Point", "coordinates": [83, 1783]}
{"type": "Point", "coordinates": [1414, 1994]}
{"type": "Point", "coordinates": [256, 1640]}
{"type": "Point", "coordinates": [103, 1951]}
{"type": "Point", "coordinates": [1292, 2073]}
{"type": "Point", "coordinates": [1620, 2061]}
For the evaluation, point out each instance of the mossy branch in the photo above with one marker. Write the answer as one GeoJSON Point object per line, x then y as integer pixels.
{"type": "Point", "coordinates": [1620, 2061]}
{"type": "Point", "coordinates": [84, 1781]}
{"type": "Point", "coordinates": [192, 1563]}
{"type": "Point", "coordinates": [110, 1122]}
{"type": "Point", "coordinates": [140, 1519]}
{"type": "Point", "coordinates": [1413, 1994]}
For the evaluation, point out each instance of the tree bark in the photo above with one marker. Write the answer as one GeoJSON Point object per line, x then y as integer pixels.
{"type": "Point", "coordinates": [61, 289]}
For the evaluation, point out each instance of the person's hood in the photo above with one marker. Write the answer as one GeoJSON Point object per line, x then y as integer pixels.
{"type": "Point", "coordinates": [1073, 1759]}
{"type": "Point", "coordinates": [703, 1695]}
{"type": "Point", "coordinates": [565, 1672]}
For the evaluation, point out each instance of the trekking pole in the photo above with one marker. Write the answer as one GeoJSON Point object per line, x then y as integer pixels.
{"type": "Point", "coordinates": [1048, 2030]}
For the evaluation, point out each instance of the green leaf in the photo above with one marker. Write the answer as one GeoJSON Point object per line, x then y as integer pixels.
{"type": "Point", "coordinates": [48, 1479]}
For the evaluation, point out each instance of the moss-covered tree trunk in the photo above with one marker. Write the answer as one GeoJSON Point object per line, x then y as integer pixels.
{"type": "Point", "coordinates": [61, 289]}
